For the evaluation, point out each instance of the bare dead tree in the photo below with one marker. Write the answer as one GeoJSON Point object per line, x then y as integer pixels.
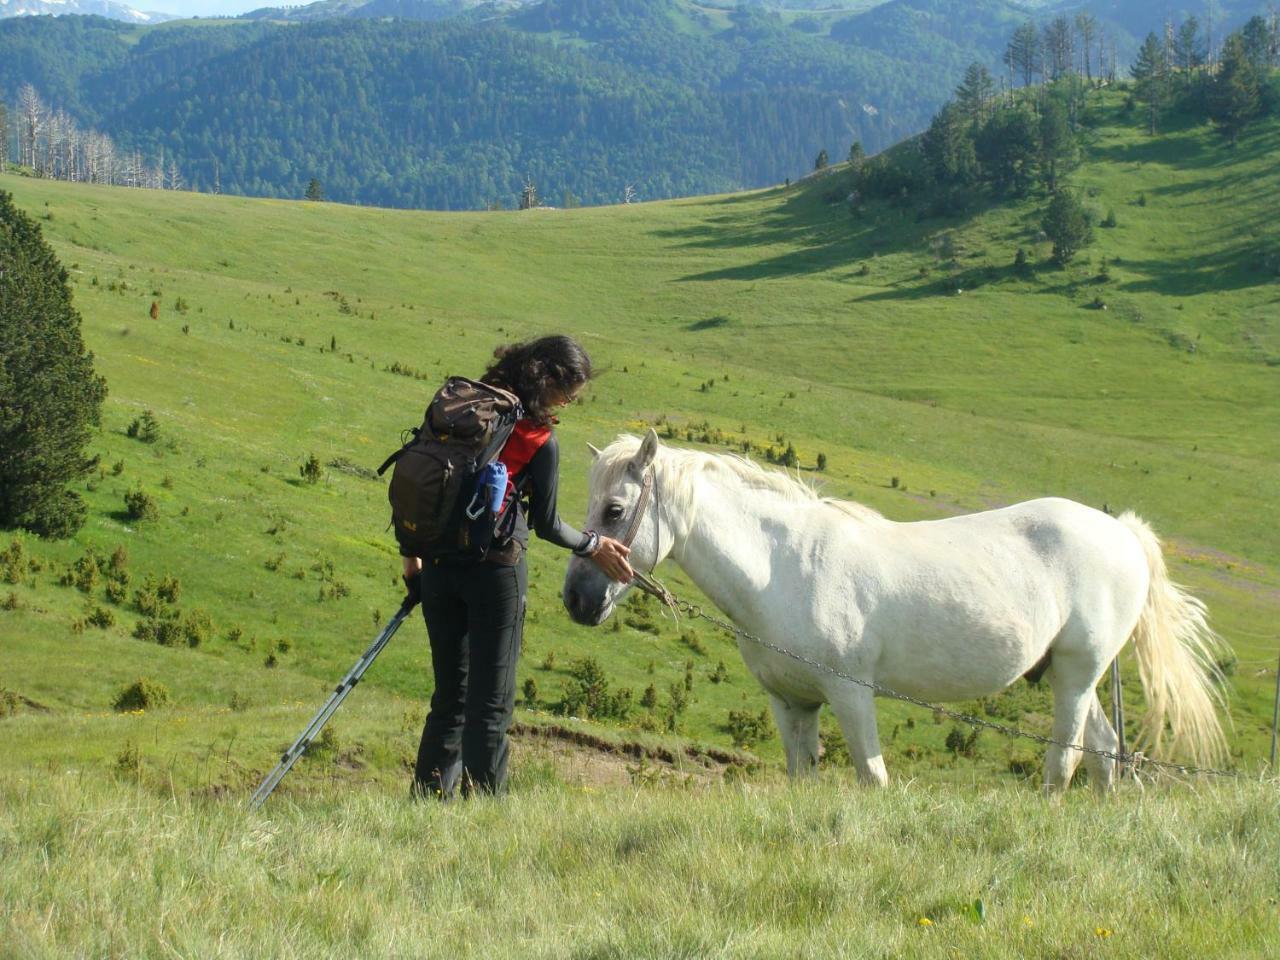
{"type": "Point", "coordinates": [30, 124]}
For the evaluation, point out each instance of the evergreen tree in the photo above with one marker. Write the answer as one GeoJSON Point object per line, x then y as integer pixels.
{"type": "Point", "coordinates": [1151, 77]}
{"type": "Point", "coordinates": [1008, 148]}
{"type": "Point", "coordinates": [1235, 97]}
{"type": "Point", "coordinates": [50, 397]}
{"type": "Point", "coordinates": [822, 161]}
{"type": "Point", "coordinates": [948, 148]}
{"type": "Point", "coordinates": [857, 160]}
{"type": "Point", "coordinates": [975, 94]}
{"type": "Point", "coordinates": [1058, 44]}
{"type": "Point", "coordinates": [1255, 35]}
{"type": "Point", "coordinates": [314, 190]}
{"type": "Point", "coordinates": [1057, 142]}
{"type": "Point", "coordinates": [1067, 224]}
{"type": "Point", "coordinates": [529, 196]}
{"type": "Point", "coordinates": [1087, 27]}
{"type": "Point", "coordinates": [1023, 52]}
{"type": "Point", "coordinates": [1188, 51]}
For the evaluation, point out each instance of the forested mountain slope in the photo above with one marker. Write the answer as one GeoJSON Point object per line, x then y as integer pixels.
{"type": "Point", "coordinates": [584, 99]}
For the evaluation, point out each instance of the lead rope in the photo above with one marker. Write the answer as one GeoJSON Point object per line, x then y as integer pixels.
{"type": "Point", "coordinates": [1130, 763]}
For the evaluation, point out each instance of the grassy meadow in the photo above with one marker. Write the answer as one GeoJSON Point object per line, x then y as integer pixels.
{"type": "Point", "coordinates": [933, 377]}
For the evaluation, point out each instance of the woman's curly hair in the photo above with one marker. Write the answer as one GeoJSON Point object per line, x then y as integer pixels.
{"type": "Point", "coordinates": [536, 369]}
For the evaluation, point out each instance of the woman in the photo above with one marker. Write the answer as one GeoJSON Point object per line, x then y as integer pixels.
{"type": "Point", "coordinates": [475, 608]}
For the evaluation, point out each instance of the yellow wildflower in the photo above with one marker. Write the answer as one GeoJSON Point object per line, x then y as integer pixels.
{"type": "Point", "coordinates": [1102, 932]}
{"type": "Point", "coordinates": [924, 922]}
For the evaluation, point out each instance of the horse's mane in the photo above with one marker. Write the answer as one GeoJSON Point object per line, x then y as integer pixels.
{"type": "Point", "coordinates": [682, 464]}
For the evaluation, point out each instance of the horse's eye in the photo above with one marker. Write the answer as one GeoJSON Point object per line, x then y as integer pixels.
{"type": "Point", "coordinates": [613, 512]}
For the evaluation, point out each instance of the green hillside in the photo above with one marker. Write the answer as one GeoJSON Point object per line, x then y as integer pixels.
{"type": "Point", "coordinates": [770, 317]}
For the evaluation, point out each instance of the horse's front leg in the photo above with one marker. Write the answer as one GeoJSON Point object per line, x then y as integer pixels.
{"type": "Point", "coordinates": [855, 708]}
{"type": "Point", "coordinates": [798, 726]}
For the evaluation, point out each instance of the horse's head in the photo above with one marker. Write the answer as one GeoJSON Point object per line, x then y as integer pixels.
{"type": "Point", "coordinates": [619, 507]}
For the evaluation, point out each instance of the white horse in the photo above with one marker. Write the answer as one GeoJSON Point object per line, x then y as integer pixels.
{"type": "Point", "coordinates": [942, 609]}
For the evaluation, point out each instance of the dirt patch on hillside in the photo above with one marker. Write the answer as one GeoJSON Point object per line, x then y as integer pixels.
{"type": "Point", "coordinates": [584, 759]}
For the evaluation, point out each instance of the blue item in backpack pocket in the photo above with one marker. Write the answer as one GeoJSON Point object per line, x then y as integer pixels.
{"type": "Point", "coordinates": [491, 488]}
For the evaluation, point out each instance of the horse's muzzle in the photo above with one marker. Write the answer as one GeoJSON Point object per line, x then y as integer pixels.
{"type": "Point", "coordinates": [588, 612]}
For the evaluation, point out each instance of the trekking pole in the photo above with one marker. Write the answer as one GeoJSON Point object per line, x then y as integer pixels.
{"type": "Point", "coordinates": [290, 756]}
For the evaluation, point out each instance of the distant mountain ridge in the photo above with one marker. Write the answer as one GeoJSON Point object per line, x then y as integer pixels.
{"type": "Point", "coordinates": [449, 104]}
{"type": "Point", "coordinates": [100, 8]}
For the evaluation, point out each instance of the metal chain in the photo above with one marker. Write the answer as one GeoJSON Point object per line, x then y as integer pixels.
{"type": "Point", "coordinates": [1132, 761]}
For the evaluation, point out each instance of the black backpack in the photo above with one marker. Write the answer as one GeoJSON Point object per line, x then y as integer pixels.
{"type": "Point", "coordinates": [447, 491]}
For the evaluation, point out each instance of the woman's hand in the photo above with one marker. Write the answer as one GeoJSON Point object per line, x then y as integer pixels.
{"type": "Point", "coordinates": [412, 577]}
{"type": "Point", "coordinates": [611, 557]}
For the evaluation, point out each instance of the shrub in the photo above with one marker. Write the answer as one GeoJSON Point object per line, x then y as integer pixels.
{"type": "Point", "coordinates": [145, 428]}
{"type": "Point", "coordinates": [85, 573]}
{"type": "Point", "coordinates": [324, 747]}
{"type": "Point", "coordinates": [117, 591]}
{"type": "Point", "coordinates": [164, 629]}
{"type": "Point", "coordinates": [720, 674]}
{"type": "Point", "coordinates": [170, 588]}
{"type": "Point", "coordinates": [530, 692]}
{"type": "Point", "coordinates": [962, 744]}
{"type": "Point", "coordinates": [143, 694]}
{"type": "Point", "coordinates": [649, 699]}
{"type": "Point", "coordinates": [586, 693]}
{"type": "Point", "coordinates": [129, 762]}
{"type": "Point", "coordinates": [747, 728]}
{"type": "Point", "coordinates": [822, 462]}
{"type": "Point", "coordinates": [196, 628]}
{"type": "Point", "coordinates": [311, 470]}
{"type": "Point", "coordinates": [140, 505]}
{"type": "Point", "coordinates": [13, 563]}
{"type": "Point", "coordinates": [1109, 221]}
{"type": "Point", "coordinates": [101, 617]}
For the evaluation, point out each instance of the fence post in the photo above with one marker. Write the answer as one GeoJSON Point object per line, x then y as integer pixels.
{"type": "Point", "coordinates": [1275, 718]}
{"type": "Point", "coordinates": [1117, 706]}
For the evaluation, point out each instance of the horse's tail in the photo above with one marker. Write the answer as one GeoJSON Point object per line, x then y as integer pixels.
{"type": "Point", "coordinates": [1176, 650]}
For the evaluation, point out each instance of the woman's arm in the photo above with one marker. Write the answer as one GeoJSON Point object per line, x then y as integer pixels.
{"type": "Point", "coordinates": [544, 479]}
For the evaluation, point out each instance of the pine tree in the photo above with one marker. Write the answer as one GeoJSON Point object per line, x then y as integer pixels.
{"type": "Point", "coordinates": [822, 161]}
{"type": "Point", "coordinates": [314, 190]}
{"type": "Point", "coordinates": [1067, 224]}
{"type": "Point", "coordinates": [1023, 53]}
{"type": "Point", "coordinates": [948, 148]}
{"type": "Point", "coordinates": [1057, 142]}
{"type": "Point", "coordinates": [1187, 49]}
{"type": "Point", "coordinates": [50, 397]}
{"type": "Point", "coordinates": [976, 92]}
{"type": "Point", "coordinates": [1008, 148]}
{"type": "Point", "coordinates": [1235, 98]}
{"type": "Point", "coordinates": [1257, 40]}
{"type": "Point", "coordinates": [857, 160]}
{"type": "Point", "coordinates": [1151, 77]}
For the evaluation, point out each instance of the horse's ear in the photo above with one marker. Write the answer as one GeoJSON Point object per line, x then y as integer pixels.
{"type": "Point", "coordinates": [595, 451]}
{"type": "Point", "coordinates": [644, 456]}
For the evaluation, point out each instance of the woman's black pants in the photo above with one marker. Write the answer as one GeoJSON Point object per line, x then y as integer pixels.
{"type": "Point", "coordinates": [475, 614]}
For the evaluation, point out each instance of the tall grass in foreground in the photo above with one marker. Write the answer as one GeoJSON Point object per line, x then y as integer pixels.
{"type": "Point", "coordinates": [94, 867]}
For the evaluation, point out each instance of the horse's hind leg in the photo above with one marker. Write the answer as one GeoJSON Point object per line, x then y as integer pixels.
{"type": "Point", "coordinates": [1100, 735]}
{"type": "Point", "coordinates": [1073, 697]}
{"type": "Point", "coordinates": [798, 726]}
{"type": "Point", "coordinates": [856, 711]}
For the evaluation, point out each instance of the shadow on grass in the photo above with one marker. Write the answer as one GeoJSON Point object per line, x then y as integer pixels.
{"type": "Point", "coordinates": [814, 222]}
